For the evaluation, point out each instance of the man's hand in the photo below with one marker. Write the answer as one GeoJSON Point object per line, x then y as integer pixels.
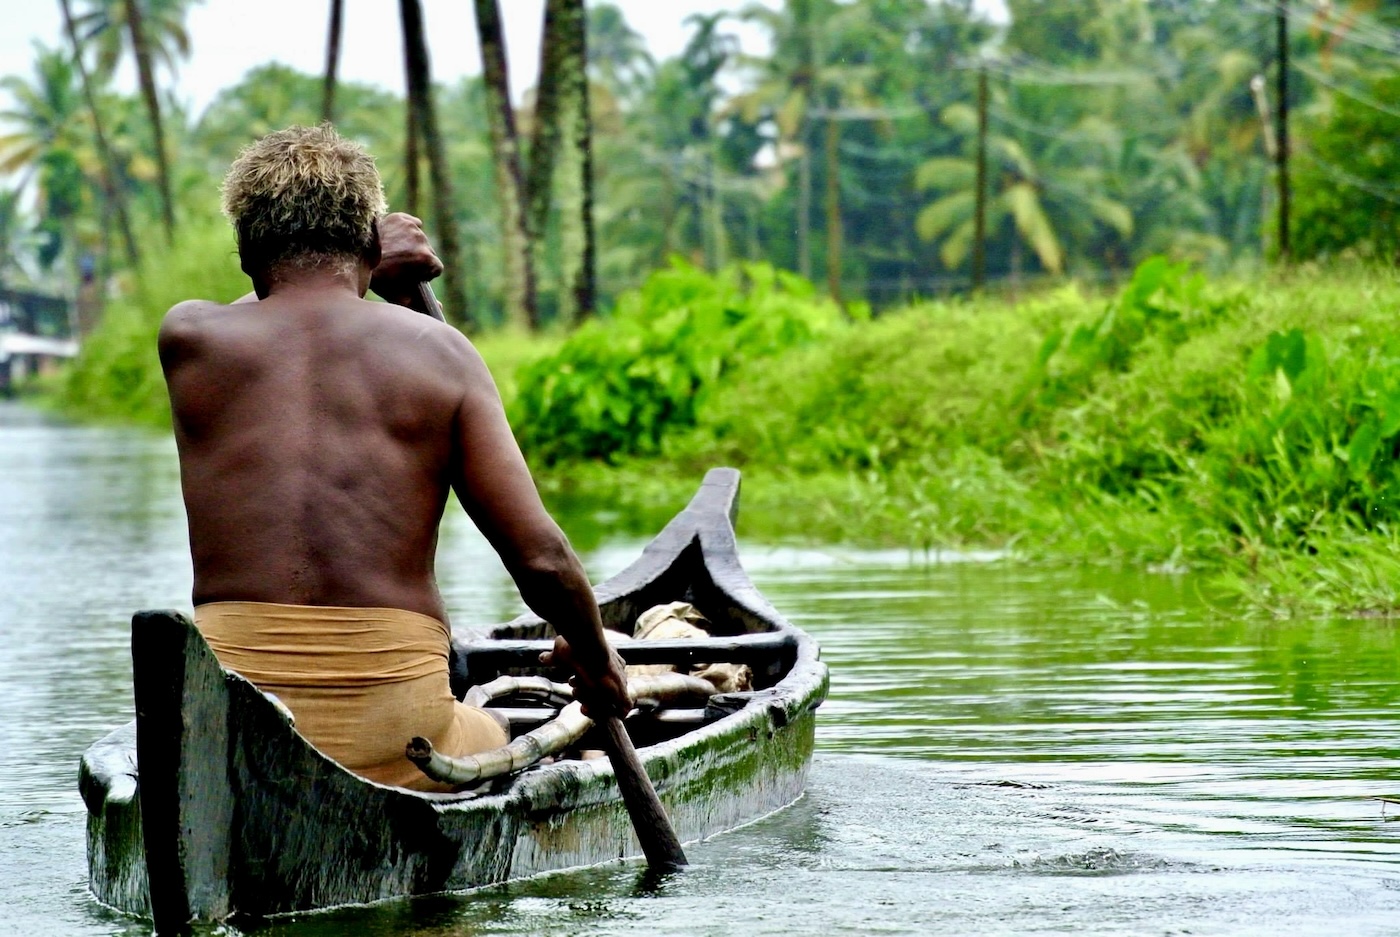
{"type": "Point", "coordinates": [601, 686]}
{"type": "Point", "coordinates": [406, 259]}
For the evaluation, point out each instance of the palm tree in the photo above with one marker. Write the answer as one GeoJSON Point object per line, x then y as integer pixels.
{"type": "Point", "coordinates": [617, 54]}
{"type": "Point", "coordinates": [516, 228]}
{"type": "Point", "coordinates": [47, 144]}
{"type": "Point", "coordinates": [563, 150]}
{"type": "Point", "coordinates": [155, 32]}
{"type": "Point", "coordinates": [115, 196]}
{"type": "Point", "coordinates": [820, 74]}
{"type": "Point", "coordinates": [420, 103]}
{"type": "Point", "coordinates": [1030, 205]}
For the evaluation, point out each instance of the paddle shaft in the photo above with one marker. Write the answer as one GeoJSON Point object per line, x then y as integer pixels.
{"type": "Point", "coordinates": [654, 831]}
{"type": "Point", "coordinates": [427, 302]}
{"type": "Point", "coordinates": [653, 827]}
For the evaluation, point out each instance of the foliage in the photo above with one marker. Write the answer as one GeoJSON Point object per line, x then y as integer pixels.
{"type": "Point", "coordinates": [118, 375]}
{"type": "Point", "coordinates": [1348, 196]}
{"type": "Point", "coordinates": [1179, 422]}
{"type": "Point", "coordinates": [617, 385]}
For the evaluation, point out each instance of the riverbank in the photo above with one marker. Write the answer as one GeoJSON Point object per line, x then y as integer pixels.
{"type": "Point", "coordinates": [1249, 429]}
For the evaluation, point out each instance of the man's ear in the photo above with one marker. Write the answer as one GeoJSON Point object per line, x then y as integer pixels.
{"type": "Point", "coordinates": [374, 252]}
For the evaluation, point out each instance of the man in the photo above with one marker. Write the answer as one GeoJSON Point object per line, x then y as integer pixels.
{"type": "Point", "coordinates": [318, 435]}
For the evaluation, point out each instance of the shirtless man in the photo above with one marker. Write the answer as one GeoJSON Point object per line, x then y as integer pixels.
{"type": "Point", "coordinates": [318, 435]}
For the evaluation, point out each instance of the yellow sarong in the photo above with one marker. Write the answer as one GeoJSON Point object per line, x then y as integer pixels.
{"type": "Point", "coordinates": [361, 682]}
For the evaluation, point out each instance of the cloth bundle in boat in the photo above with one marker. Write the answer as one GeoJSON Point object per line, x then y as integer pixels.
{"type": "Point", "coordinates": [360, 682]}
{"type": "Point", "coordinates": [681, 620]}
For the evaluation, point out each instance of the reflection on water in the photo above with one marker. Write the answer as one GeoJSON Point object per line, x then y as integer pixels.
{"type": "Point", "coordinates": [1005, 750]}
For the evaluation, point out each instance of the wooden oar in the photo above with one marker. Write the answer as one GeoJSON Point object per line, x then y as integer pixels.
{"type": "Point", "coordinates": [649, 820]}
{"type": "Point", "coordinates": [428, 302]}
{"type": "Point", "coordinates": [654, 831]}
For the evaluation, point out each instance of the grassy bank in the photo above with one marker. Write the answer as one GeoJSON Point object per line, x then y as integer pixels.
{"type": "Point", "coordinates": [1250, 429]}
{"type": "Point", "coordinates": [1247, 429]}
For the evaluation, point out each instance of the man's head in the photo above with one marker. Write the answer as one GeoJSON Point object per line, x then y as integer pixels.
{"type": "Point", "coordinates": [303, 198]}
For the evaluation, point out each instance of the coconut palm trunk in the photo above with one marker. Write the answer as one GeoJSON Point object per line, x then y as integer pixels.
{"type": "Point", "coordinates": [332, 59]}
{"type": "Point", "coordinates": [564, 58]}
{"type": "Point", "coordinates": [517, 230]}
{"type": "Point", "coordinates": [145, 72]}
{"type": "Point", "coordinates": [420, 101]}
{"type": "Point", "coordinates": [116, 198]}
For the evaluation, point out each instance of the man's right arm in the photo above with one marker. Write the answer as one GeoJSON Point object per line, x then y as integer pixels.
{"type": "Point", "coordinates": [494, 485]}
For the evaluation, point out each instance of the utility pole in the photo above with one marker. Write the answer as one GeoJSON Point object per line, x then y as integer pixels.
{"type": "Point", "coordinates": [1284, 193]}
{"type": "Point", "coordinates": [979, 236]}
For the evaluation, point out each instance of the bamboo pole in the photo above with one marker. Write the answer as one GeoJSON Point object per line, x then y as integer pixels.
{"type": "Point", "coordinates": [549, 739]}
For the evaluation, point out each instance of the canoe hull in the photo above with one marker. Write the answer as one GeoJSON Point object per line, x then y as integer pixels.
{"type": "Point", "coordinates": [234, 813]}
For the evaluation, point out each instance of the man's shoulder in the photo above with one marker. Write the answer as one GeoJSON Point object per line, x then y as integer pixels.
{"type": "Point", "coordinates": [427, 337]}
{"type": "Point", "coordinates": [185, 323]}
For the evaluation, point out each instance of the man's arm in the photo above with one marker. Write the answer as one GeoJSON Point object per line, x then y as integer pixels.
{"type": "Point", "coordinates": [494, 485]}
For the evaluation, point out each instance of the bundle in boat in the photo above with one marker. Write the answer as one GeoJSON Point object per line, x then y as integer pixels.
{"type": "Point", "coordinates": [681, 620]}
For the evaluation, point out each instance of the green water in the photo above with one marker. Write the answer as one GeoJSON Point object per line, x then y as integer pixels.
{"type": "Point", "coordinates": [1006, 750]}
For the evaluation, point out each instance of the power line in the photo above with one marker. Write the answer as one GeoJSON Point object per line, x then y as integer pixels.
{"type": "Point", "coordinates": [1385, 193]}
{"type": "Point", "coordinates": [1386, 41]}
{"type": "Point", "coordinates": [1043, 130]}
{"type": "Point", "coordinates": [1358, 96]}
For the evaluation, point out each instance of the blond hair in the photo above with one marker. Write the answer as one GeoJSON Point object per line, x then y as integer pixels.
{"type": "Point", "coordinates": [304, 196]}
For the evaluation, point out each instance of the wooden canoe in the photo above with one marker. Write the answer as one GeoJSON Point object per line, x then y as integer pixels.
{"type": "Point", "coordinates": [233, 813]}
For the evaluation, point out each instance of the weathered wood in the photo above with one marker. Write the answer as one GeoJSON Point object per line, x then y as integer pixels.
{"type": "Point", "coordinates": [304, 833]}
{"type": "Point", "coordinates": [187, 803]}
{"type": "Point", "coordinates": [657, 836]}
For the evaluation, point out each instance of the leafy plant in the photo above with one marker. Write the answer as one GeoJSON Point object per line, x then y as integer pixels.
{"type": "Point", "coordinates": [618, 385]}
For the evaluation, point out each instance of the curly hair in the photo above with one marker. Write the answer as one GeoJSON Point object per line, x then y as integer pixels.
{"type": "Point", "coordinates": [303, 197]}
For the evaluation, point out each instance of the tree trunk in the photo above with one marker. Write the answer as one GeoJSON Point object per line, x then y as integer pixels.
{"type": "Point", "coordinates": [146, 74]}
{"type": "Point", "coordinates": [411, 162]}
{"type": "Point", "coordinates": [833, 207]}
{"type": "Point", "coordinates": [420, 96]}
{"type": "Point", "coordinates": [979, 224]}
{"type": "Point", "coordinates": [564, 60]}
{"type": "Point", "coordinates": [518, 232]}
{"type": "Point", "coordinates": [721, 254]}
{"type": "Point", "coordinates": [115, 196]}
{"type": "Point", "coordinates": [544, 146]}
{"type": "Point", "coordinates": [804, 213]}
{"type": "Point", "coordinates": [332, 60]}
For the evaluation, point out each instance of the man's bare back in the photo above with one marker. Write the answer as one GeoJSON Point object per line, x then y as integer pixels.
{"type": "Point", "coordinates": [319, 433]}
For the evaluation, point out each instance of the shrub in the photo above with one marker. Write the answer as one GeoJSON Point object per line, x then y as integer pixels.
{"type": "Point", "coordinates": [118, 374]}
{"type": "Point", "coordinates": [619, 384]}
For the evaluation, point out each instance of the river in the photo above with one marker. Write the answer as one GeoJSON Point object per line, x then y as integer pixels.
{"type": "Point", "coordinates": [1007, 749]}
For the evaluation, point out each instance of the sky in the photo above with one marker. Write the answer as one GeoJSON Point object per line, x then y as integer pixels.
{"type": "Point", "coordinates": [228, 37]}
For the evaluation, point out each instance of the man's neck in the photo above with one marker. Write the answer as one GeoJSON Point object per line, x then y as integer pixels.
{"type": "Point", "coordinates": [317, 281]}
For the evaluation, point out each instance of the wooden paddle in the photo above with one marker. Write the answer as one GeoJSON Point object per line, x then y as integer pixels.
{"type": "Point", "coordinates": [654, 831]}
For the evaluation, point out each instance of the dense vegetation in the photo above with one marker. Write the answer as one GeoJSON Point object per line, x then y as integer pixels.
{"type": "Point", "coordinates": [1253, 431]}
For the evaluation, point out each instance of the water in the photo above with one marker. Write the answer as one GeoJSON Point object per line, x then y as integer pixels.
{"type": "Point", "coordinates": [1006, 750]}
